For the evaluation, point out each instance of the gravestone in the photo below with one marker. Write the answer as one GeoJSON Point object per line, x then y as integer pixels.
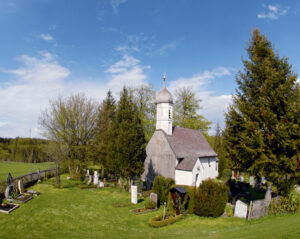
{"type": "Point", "coordinates": [241, 178]}
{"type": "Point", "coordinates": [240, 209]}
{"type": "Point", "coordinates": [96, 178]}
{"type": "Point", "coordinates": [8, 191]}
{"type": "Point", "coordinates": [20, 186]}
{"type": "Point", "coordinates": [134, 198]}
{"type": "Point", "coordinates": [232, 175]}
{"type": "Point", "coordinates": [90, 179]}
{"type": "Point", "coordinates": [268, 195]}
{"type": "Point", "coordinates": [153, 198]}
{"type": "Point", "coordinates": [251, 181]}
{"type": "Point", "coordinates": [101, 184]}
{"type": "Point", "coordinates": [263, 180]}
{"type": "Point", "coordinates": [9, 179]}
{"type": "Point", "coordinates": [87, 172]}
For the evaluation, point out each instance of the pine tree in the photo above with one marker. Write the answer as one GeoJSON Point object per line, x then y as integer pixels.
{"type": "Point", "coordinates": [126, 149]}
{"type": "Point", "coordinates": [106, 115]}
{"type": "Point", "coordinates": [262, 133]}
{"type": "Point", "coordinates": [218, 148]}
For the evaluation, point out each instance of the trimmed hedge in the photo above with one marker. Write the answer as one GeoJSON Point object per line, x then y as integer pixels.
{"type": "Point", "coordinates": [211, 198]}
{"type": "Point", "coordinates": [158, 222]}
{"type": "Point", "coordinates": [161, 186]}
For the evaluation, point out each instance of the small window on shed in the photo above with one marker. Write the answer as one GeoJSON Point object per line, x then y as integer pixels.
{"type": "Point", "coordinates": [217, 162]}
{"type": "Point", "coordinates": [209, 162]}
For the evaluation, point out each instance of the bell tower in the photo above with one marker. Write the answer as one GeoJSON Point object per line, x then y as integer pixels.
{"type": "Point", "coordinates": [164, 109]}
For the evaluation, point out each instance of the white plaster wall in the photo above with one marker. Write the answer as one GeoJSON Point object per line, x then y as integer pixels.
{"type": "Point", "coordinates": [183, 177]}
{"type": "Point", "coordinates": [163, 121]}
{"type": "Point", "coordinates": [207, 167]}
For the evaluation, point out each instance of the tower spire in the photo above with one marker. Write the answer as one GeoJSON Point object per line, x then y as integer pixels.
{"type": "Point", "coordinates": [164, 78]}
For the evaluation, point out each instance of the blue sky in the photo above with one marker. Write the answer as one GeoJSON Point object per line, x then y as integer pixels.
{"type": "Point", "coordinates": [61, 47]}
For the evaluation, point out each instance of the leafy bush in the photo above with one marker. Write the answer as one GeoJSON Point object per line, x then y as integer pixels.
{"type": "Point", "coordinates": [158, 221]}
{"type": "Point", "coordinates": [226, 174]}
{"type": "Point", "coordinates": [290, 203]}
{"type": "Point", "coordinates": [210, 198]}
{"type": "Point", "coordinates": [161, 187]}
{"type": "Point", "coordinates": [146, 194]}
{"type": "Point", "coordinates": [150, 205]}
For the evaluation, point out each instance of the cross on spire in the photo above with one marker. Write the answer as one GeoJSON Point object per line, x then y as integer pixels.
{"type": "Point", "coordinates": [164, 78]}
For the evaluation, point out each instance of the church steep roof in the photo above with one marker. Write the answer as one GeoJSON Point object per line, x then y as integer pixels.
{"type": "Point", "coordinates": [187, 164]}
{"type": "Point", "coordinates": [189, 143]}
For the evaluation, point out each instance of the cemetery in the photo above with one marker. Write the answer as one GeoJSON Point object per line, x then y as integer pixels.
{"type": "Point", "coordinates": [57, 212]}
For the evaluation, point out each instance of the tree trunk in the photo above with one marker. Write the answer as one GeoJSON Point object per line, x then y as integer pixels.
{"type": "Point", "coordinates": [57, 174]}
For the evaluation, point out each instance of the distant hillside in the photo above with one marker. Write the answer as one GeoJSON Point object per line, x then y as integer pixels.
{"type": "Point", "coordinates": [27, 150]}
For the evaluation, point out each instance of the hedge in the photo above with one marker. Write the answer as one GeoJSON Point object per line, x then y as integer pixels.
{"type": "Point", "coordinates": [157, 222]}
{"type": "Point", "coordinates": [161, 186]}
{"type": "Point", "coordinates": [210, 198]}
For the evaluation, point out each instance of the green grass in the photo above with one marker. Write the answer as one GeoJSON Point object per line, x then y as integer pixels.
{"type": "Point", "coordinates": [18, 169]}
{"type": "Point", "coordinates": [74, 213]}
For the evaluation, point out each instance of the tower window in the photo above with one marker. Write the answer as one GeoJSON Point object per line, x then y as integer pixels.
{"type": "Point", "coordinates": [169, 114]}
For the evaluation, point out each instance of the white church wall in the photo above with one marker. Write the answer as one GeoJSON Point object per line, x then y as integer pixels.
{"type": "Point", "coordinates": [183, 177]}
{"type": "Point", "coordinates": [208, 169]}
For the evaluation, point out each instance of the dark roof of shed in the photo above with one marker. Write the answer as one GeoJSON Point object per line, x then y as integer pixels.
{"type": "Point", "coordinates": [178, 189]}
{"type": "Point", "coordinates": [189, 143]}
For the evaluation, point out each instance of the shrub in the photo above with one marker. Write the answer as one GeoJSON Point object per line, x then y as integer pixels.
{"type": "Point", "coordinates": [150, 205]}
{"type": "Point", "coordinates": [290, 203]}
{"type": "Point", "coordinates": [210, 198]}
{"type": "Point", "coordinates": [161, 187]}
{"type": "Point", "coordinates": [146, 194]}
{"type": "Point", "coordinates": [226, 174]}
{"type": "Point", "coordinates": [158, 221]}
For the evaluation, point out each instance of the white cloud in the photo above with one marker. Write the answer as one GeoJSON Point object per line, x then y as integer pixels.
{"type": "Point", "coordinates": [41, 78]}
{"type": "Point", "coordinates": [115, 4]}
{"type": "Point", "coordinates": [213, 106]}
{"type": "Point", "coordinates": [272, 12]}
{"type": "Point", "coordinates": [162, 51]}
{"type": "Point", "coordinates": [46, 37]}
{"type": "Point", "coordinates": [127, 71]}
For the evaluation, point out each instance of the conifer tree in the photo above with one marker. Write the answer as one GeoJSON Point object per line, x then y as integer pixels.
{"type": "Point", "coordinates": [106, 114]}
{"type": "Point", "coordinates": [126, 149]}
{"type": "Point", "coordinates": [262, 134]}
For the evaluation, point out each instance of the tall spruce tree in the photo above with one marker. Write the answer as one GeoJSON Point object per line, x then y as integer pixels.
{"type": "Point", "coordinates": [126, 149]}
{"type": "Point", "coordinates": [106, 115]}
{"type": "Point", "coordinates": [262, 134]}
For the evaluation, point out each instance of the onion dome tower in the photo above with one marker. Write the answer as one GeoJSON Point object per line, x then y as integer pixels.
{"type": "Point", "coordinates": [164, 109]}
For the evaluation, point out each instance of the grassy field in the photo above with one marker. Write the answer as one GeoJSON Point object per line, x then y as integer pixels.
{"type": "Point", "coordinates": [73, 213]}
{"type": "Point", "coordinates": [17, 169]}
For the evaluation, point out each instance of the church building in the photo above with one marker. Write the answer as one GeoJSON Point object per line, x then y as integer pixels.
{"type": "Point", "coordinates": [175, 152]}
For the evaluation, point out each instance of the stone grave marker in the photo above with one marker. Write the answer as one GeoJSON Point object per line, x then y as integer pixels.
{"type": "Point", "coordinates": [96, 178]}
{"type": "Point", "coordinates": [90, 179]}
{"type": "Point", "coordinates": [101, 184]}
{"type": "Point", "coordinates": [134, 197]}
{"type": "Point", "coordinates": [153, 198]}
{"type": "Point", "coordinates": [8, 191]}
{"type": "Point", "coordinates": [251, 181]}
{"type": "Point", "coordinates": [240, 209]}
{"type": "Point", "coordinates": [241, 178]}
{"type": "Point", "coordinates": [263, 180]}
{"type": "Point", "coordinates": [20, 186]}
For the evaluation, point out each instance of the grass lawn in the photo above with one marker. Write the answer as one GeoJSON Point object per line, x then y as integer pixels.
{"type": "Point", "coordinates": [17, 169]}
{"type": "Point", "coordinates": [73, 213]}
